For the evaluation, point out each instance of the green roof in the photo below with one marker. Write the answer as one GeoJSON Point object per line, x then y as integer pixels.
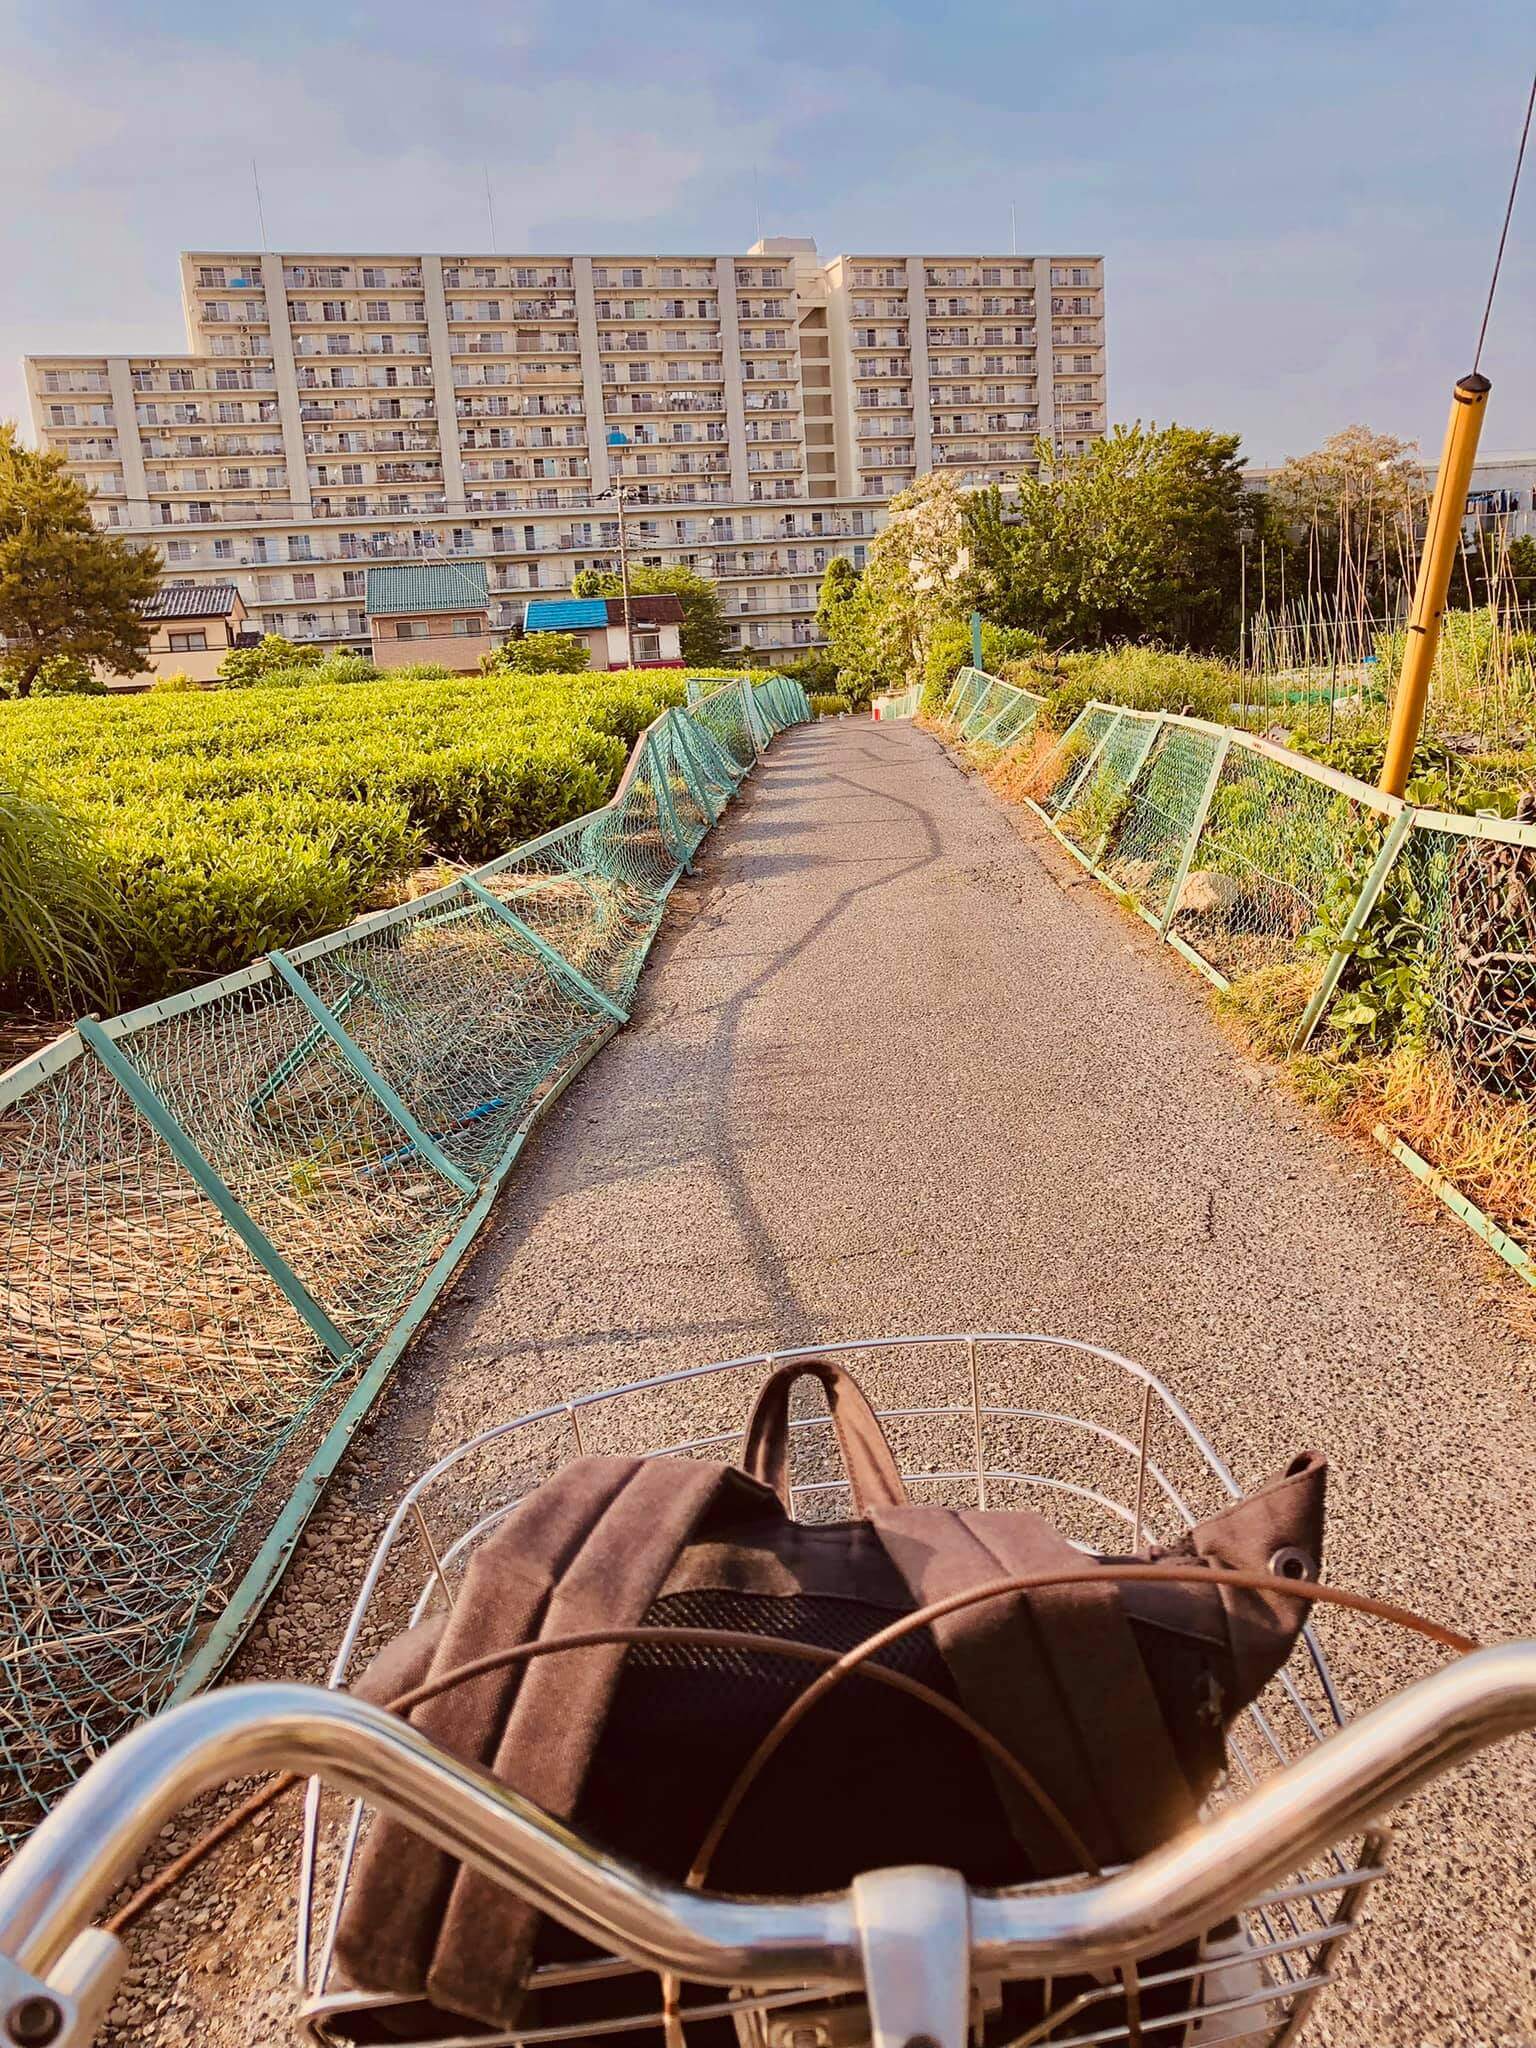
{"type": "Point", "coordinates": [428, 587]}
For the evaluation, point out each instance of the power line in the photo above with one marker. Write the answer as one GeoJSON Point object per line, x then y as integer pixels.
{"type": "Point", "coordinates": [1514, 187]}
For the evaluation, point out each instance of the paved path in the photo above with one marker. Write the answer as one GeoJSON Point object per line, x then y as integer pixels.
{"type": "Point", "coordinates": [897, 1065]}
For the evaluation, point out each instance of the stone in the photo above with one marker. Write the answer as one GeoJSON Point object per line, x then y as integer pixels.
{"type": "Point", "coordinates": [1208, 893]}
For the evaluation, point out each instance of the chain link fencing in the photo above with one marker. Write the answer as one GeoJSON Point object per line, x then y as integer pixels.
{"type": "Point", "coordinates": [1396, 926]}
{"type": "Point", "coordinates": [224, 1214]}
{"type": "Point", "coordinates": [986, 712]}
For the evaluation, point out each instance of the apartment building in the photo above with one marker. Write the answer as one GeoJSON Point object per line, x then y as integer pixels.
{"type": "Point", "coordinates": [337, 411]}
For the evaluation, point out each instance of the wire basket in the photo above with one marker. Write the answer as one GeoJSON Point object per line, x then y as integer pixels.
{"type": "Point", "coordinates": [992, 1420]}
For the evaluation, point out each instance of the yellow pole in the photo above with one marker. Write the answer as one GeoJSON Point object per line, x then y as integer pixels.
{"type": "Point", "coordinates": [1442, 538]}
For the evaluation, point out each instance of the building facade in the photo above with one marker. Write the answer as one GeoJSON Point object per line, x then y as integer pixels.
{"type": "Point", "coordinates": [333, 412]}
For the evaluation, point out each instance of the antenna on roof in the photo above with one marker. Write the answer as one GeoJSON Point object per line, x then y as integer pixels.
{"type": "Point", "coordinates": [490, 207]}
{"type": "Point", "coordinates": [261, 218]}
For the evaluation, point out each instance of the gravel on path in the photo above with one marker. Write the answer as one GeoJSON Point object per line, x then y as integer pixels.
{"type": "Point", "coordinates": [898, 1065]}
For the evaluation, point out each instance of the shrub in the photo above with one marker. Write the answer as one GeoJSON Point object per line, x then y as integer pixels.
{"type": "Point", "coordinates": [236, 820]}
{"type": "Point", "coordinates": [949, 651]}
{"type": "Point", "coordinates": [828, 703]}
{"type": "Point", "coordinates": [816, 671]}
{"type": "Point", "coordinates": [1144, 679]}
{"type": "Point", "coordinates": [344, 668]}
{"type": "Point", "coordinates": [539, 654]}
{"type": "Point", "coordinates": [175, 679]}
{"type": "Point", "coordinates": [270, 657]}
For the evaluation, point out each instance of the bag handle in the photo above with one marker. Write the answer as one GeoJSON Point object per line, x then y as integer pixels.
{"type": "Point", "coordinates": [867, 1460]}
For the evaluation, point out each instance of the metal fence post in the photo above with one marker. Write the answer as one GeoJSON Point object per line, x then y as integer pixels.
{"type": "Point", "coordinates": [552, 957]}
{"type": "Point", "coordinates": [693, 767]}
{"type": "Point", "coordinates": [1154, 728]}
{"type": "Point", "coordinates": [666, 808]}
{"type": "Point", "coordinates": [191, 1159]}
{"type": "Point", "coordinates": [753, 716]}
{"type": "Point", "coordinates": [1202, 810]}
{"type": "Point", "coordinates": [370, 1076]}
{"type": "Point", "coordinates": [1354, 924]}
{"type": "Point", "coordinates": [1084, 778]}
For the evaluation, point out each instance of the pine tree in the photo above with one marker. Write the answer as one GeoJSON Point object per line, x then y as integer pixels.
{"type": "Point", "coordinates": [66, 588]}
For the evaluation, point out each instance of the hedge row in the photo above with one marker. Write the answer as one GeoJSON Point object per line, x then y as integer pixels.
{"type": "Point", "coordinates": [226, 823]}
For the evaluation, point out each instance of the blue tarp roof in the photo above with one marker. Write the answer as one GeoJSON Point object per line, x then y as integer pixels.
{"type": "Point", "coordinates": [564, 614]}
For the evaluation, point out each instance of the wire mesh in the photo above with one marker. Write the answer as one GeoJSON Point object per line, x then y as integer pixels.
{"type": "Point", "coordinates": [1088, 806]}
{"type": "Point", "coordinates": [1276, 843]}
{"type": "Point", "coordinates": [151, 1375]}
{"type": "Point", "coordinates": [1478, 900]}
{"type": "Point", "coordinates": [1146, 851]}
{"type": "Point", "coordinates": [1073, 760]}
{"type": "Point", "coordinates": [153, 1370]}
{"type": "Point", "coordinates": [1005, 1422]}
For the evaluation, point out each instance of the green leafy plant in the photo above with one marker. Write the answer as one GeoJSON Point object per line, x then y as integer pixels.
{"type": "Point", "coordinates": [60, 919]}
{"type": "Point", "coordinates": [237, 820]}
{"type": "Point", "coordinates": [539, 654]}
{"type": "Point", "coordinates": [271, 658]}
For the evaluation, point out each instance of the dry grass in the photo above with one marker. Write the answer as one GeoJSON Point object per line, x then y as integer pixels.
{"type": "Point", "coordinates": [1485, 1144]}
{"type": "Point", "coordinates": [1029, 769]}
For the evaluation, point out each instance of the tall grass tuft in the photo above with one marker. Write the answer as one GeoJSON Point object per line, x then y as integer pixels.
{"type": "Point", "coordinates": [56, 908]}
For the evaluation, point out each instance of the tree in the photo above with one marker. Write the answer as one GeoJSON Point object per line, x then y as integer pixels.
{"type": "Point", "coordinates": [1141, 538]}
{"type": "Point", "coordinates": [539, 654]}
{"type": "Point", "coordinates": [703, 620]}
{"type": "Point", "coordinates": [1347, 514]}
{"type": "Point", "coordinates": [66, 588]}
{"type": "Point", "coordinates": [843, 614]}
{"type": "Point", "coordinates": [918, 575]}
{"type": "Point", "coordinates": [271, 657]}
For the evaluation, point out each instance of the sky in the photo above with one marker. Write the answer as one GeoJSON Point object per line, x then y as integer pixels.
{"type": "Point", "coordinates": [1297, 200]}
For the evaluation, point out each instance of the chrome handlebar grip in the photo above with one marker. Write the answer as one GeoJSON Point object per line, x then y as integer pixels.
{"type": "Point", "coordinates": [84, 1849]}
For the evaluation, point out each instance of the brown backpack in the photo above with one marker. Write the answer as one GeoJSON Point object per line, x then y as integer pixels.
{"type": "Point", "coordinates": [1115, 1696]}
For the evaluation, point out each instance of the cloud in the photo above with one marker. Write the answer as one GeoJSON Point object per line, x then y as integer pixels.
{"type": "Point", "coordinates": [1290, 243]}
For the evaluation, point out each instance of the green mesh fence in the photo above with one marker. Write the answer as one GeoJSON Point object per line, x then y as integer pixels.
{"type": "Point", "coordinates": [218, 1210]}
{"type": "Point", "coordinates": [1393, 928]}
{"type": "Point", "coordinates": [984, 711]}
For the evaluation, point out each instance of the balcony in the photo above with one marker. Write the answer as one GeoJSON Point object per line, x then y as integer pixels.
{"type": "Point", "coordinates": [641, 404]}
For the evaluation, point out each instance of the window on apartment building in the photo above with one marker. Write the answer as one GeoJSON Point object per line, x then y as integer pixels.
{"type": "Point", "coordinates": [179, 551]}
{"type": "Point", "coordinates": [353, 582]}
{"type": "Point", "coordinates": [190, 643]}
{"type": "Point", "coordinates": [410, 629]}
{"type": "Point", "coordinates": [304, 583]}
{"type": "Point", "coordinates": [223, 551]}
{"type": "Point", "coordinates": [466, 626]}
{"type": "Point", "coordinates": [181, 380]}
{"type": "Point", "coordinates": [376, 309]}
{"type": "Point", "coordinates": [210, 277]}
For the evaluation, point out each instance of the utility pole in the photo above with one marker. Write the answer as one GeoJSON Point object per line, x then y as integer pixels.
{"type": "Point", "coordinates": [629, 638]}
{"type": "Point", "coordinates": [1469, 402]}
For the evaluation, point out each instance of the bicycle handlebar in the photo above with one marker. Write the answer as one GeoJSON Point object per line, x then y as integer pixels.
{"type": "Point", "coordinates": [83, 1850]}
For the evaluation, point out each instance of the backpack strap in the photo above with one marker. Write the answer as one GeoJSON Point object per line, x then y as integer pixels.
{"type": "Point", "coordinates": [586, 1550]}
{"type": "Point", "coordinates": [400, 1884]}
{"type": "Point", "coordinates": [548, 1739]}
{"type": "Point", "coordinates": [872, 1473]}
{"type": "Point", "coordinates": [1056, 1675]}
